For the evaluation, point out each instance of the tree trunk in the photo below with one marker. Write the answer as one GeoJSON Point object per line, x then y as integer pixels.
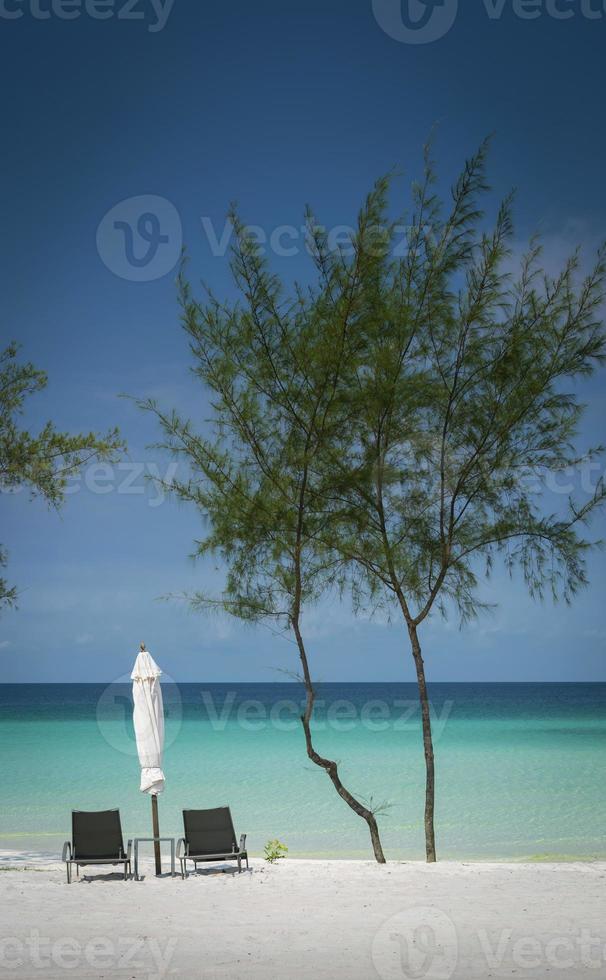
{"type": "Point", "coordinates": [329, 766]}
{"type": "Point", "coordinates": [430, 840]}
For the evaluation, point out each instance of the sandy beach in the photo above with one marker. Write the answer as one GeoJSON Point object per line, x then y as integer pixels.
{"type": "Point", "coordinates": [308, 920]}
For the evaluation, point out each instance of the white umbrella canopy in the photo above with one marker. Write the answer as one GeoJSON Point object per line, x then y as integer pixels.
{"type": "Point", "coordinates": [148, 721]}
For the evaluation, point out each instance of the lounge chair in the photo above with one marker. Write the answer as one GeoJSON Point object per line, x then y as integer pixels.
{"type": "Point", "coordinates": [96, 839]}
{"type": "Point", "coordinates": [210, 836]}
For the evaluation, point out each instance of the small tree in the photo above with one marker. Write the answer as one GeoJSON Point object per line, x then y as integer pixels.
{"type": "Point", "coordinates": [467, 399]}
{"type": "Point", "coordinates": [275, 369]}
{"type": "Point", "coordinates": [42, 462]}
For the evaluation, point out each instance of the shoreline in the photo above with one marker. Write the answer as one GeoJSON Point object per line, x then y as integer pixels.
{"type": "Point", "coordinates": [27, 861]}
{"type": "Point", "coordinates": [47, 856]}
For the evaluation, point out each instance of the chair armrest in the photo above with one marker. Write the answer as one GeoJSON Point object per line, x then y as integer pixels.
{"type": "Point", "coordinates": [242, 842]}
{"type": "Point", "coordinates": [185, 852]}
{"type": "Point", "coordinates": [67, 850]}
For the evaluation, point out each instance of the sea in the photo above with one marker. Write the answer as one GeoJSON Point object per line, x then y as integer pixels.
{"type": "Point", "coordinates": [520, 768]}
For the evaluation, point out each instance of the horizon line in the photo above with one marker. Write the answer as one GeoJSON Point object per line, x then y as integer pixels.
{"type": "Point", "coordinates": [299, 683]}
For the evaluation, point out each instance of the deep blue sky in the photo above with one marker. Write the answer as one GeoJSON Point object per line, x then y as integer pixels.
{"type": "Point", "coordinates": [273, 104]}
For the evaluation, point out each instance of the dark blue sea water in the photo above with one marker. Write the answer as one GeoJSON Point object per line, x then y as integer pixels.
{"type": "Point", "coordinates": [520, 767]}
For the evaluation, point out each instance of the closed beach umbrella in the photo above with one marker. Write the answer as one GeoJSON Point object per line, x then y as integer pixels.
{"type": "Point", "coordinates": [148, 721]}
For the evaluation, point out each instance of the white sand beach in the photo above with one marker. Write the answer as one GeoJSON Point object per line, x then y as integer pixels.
{"type": "Point", "coordinates": [313, 920]}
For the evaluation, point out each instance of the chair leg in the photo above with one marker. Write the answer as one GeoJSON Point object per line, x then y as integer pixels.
{"type": "Point", "coordinates": [67, 869]}
{"type": "Point", "coordinates": [239, 865]}
{"type": "Point", "coordinates": [77, 871]}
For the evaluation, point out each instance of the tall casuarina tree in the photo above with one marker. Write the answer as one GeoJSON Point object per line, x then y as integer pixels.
{"type": "Point", "coordinates": [464, 402]}
{"type": "Point", "coordinates": [275, 369]}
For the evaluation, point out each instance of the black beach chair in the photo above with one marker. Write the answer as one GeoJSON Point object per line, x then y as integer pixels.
{"type": "Point", "coordinates": [210, 836]}
{"type": "Point", "coordinates": [96, 839]}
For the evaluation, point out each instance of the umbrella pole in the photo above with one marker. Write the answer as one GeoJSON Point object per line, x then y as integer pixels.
{"type": "Point", "coordinates": [156, 832]}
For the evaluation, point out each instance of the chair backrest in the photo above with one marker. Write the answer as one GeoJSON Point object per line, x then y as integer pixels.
{"type": "Point", "coordinates": [209, 831]}
{"type": "Point", "coordinates": [97, 834]}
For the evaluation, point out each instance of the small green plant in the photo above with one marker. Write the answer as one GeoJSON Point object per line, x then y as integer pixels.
{"type": "Point", "coordinates": [274, 850]}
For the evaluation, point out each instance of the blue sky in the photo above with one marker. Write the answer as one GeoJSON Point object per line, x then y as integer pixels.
{"type": "Point", "coordinates": [274, 105]}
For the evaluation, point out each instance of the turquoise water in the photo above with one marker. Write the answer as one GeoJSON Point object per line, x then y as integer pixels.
{"type": "Point", "coordinates": [520, 767]}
